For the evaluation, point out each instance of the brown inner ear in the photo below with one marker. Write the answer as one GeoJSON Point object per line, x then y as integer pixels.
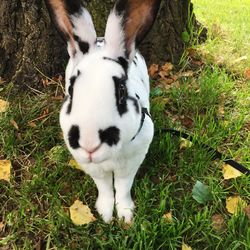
{"type": "Point", "coordinates": [140, 17]}
{"type": "Point", "coordinates": [62, 20]}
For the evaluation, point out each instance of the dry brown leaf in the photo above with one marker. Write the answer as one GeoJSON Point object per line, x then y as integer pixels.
{"type": "Point", "coordinates": [167, 81]}
{"type": "Point", "coordinates": [3, 105]}
{"type": "Point", "coordinates": [247, 212]}
{"type": "Point", "coordinates": [186, 121]}
{"type": "Point", "coordinates": [229, 172]}
{"type": "Point", "coordinates": [1, 226]}
{"type": "Point", "coordinates": [153, 70]}
{"type": "Point", "coordinates": [5, 166]}
{"type": "Point", "coordinates": [32, 124]}
{"type": "Point", "coordinates": [234, 203]}
{"type": "Point", "coordinates": [218, 222]}
{"type": "Point", "coordinates": [221, 110]}
{"type": "Point", "coordinates": [247, 74]}
{"type": "Point", "coordinates": [168, 217]}
{"type": "Point", "coordinates": [167, 67]}
{"type": "Point", "coordinates": [74, 164]}
{"type": "Point", "coordinates": [14, 124]}
{"type": "Point", "coordinates": [185, 247]}
{"type": "Point", "coordinates": [80, 214]}
{"type": "Point", "coordinates": [188, 73]}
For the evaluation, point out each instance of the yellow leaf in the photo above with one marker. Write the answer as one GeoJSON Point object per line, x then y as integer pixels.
{"type": "Point", "coordinates": [74, 164]}
{"type": "Point", "coordinates": [80, 214]}
{"type": "Point", "coordinates": [168, 217]}
{"type": "Point", "coordinates": [3, 105]}
{"type": "Point", "coordinates": [229, 172]}
{"type": "Point", "coordinates": [185, 247]}
{"type": "Point", "coordinates": [5, 166]}
{"type": "Point", "coordinates": [234, 203]}
{"type": "Point", "coordinates": [184, 143]}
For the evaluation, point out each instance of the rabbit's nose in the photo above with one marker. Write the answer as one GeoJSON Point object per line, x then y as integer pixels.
{"type": "Point", "coordinates": [91, 150]}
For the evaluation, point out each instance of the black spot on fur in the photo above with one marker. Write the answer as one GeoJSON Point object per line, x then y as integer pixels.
{"type": "Point", "coordinates": [121, 60]}
{"type": "Point", "coordinates": [111, 136]}
{"type": "Point", "coordinates": [73, 7]}
{"type": "Point", "coordinates": [135, 62]}
{"type": "Point", "coordinates": [137, 96]}
{"type": "Point", "coordinates": [121, 6]}
{"type": "Point", "coordinates": [121, 94]}
{"type": "Point", "coordinates": [124, 63]}
{"type": "Point", "coordinates": [73, 136]}
{"type": "Point", "coordinates": [135, 102]}
{"type": "Point", "coordinates": [71, 90]}
{"type": "Point", "coordinates": [84, 46]}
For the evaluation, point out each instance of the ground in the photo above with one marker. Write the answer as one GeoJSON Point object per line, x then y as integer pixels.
{"type": "Point", "coordinates": [206, 98]}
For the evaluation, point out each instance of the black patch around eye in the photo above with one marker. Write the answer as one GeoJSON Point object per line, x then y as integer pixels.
{"type": "Point", "coordinates": [73, 136]}
{"type": "Point", "coordinates": [84, 46]}
{"type": "Point", "coordinates": [121, 105]}
{"type": "Point", "coordinates": [111, 136]}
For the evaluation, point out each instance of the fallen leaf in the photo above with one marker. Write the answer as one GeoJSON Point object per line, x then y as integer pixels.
{"type": "Point", "coordinates": [1, 226]}
{"type": "Point", "coordinates": [184, 143]}
{"type": "Point", "coordinates": [167, 67]}
{"type": "Point", "coordinates": [153, 70]}
{"type": "Point", "coordinates": [221, 110]}
{"type": "Point", "coordinates": [185, 247]}
{"type": "Point", "coordinates": [201, 193]}
{"type": "Point", "coordinates": [3, 105]}
{"type": "Point", "coordinates": [247, 74]}
{"type": "Point", "coordinates": [234, 203]}
{"type": "Point", "coordinates": [186, 121]}
{"type": "Point", "coordinates": [168, 217]}
{"type": "Point", "coordinates": [5, 166]}
{"type": "Point", "coordinates": [247, 212]}
{"type": "Point", "coordinates": [188, 73]}
{"type": "Point", "coordinates": [14, 124]}
{"type": "Point", "coordinates": [218, 222]}
{"type": "Point", "coordinates": [32, 124]}
{"type": "Point", "coordinates": [229, 172]}
{"type": "Point", "coordinates": [74, 164]}
{"type": "Point", "coordinates": [80, 214]}
{"type": "Point", "coordinates": [240, 59]}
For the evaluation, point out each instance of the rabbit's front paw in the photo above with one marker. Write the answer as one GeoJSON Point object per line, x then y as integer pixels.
{"type": "Point", "coordinates": [105, 206]}
{"type": "Point", "coordinates": [125, 210]}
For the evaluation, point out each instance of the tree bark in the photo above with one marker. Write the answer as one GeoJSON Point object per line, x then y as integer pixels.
{"type": "Point", "coordinates": [29, 42]}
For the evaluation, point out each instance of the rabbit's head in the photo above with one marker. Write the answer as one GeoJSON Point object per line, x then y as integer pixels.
{"type": "Point", "coordinates": [101, 112]}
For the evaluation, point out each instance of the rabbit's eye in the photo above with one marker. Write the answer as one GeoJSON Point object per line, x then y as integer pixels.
{"type": "Point", "coordinates": [122, 93]}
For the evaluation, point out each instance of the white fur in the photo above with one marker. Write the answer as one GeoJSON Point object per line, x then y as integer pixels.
{"type": "Point", "coordinates": [114, 35]}
{"type": "Point", "coordinates": [94, 108]}
{"type": "Point", "coordinates": [84, 27]}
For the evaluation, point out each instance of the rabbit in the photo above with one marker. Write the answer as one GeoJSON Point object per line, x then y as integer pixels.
{"type": "Point", "coordinates": [105, 116]}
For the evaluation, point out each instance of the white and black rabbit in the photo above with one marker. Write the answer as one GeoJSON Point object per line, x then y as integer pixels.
{"type": "Point", "coordinates": [105, 116]}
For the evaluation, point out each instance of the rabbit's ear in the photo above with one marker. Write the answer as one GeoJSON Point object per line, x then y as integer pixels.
{"type": "Point", "coordinates": [74, 23]}
{"type": "Point", "coordinates": [128, 24]}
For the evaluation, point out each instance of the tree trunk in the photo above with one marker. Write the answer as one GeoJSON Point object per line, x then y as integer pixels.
{"type": "Point", "coordinates": [29, 43]}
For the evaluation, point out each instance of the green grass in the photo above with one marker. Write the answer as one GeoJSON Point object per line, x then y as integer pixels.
{"type": "Point", "coordinates": [228, 25]}
{"type": "Point", "coordinates": [35, 204]}
{"type": "Point", "coordinates": [212, 106]}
